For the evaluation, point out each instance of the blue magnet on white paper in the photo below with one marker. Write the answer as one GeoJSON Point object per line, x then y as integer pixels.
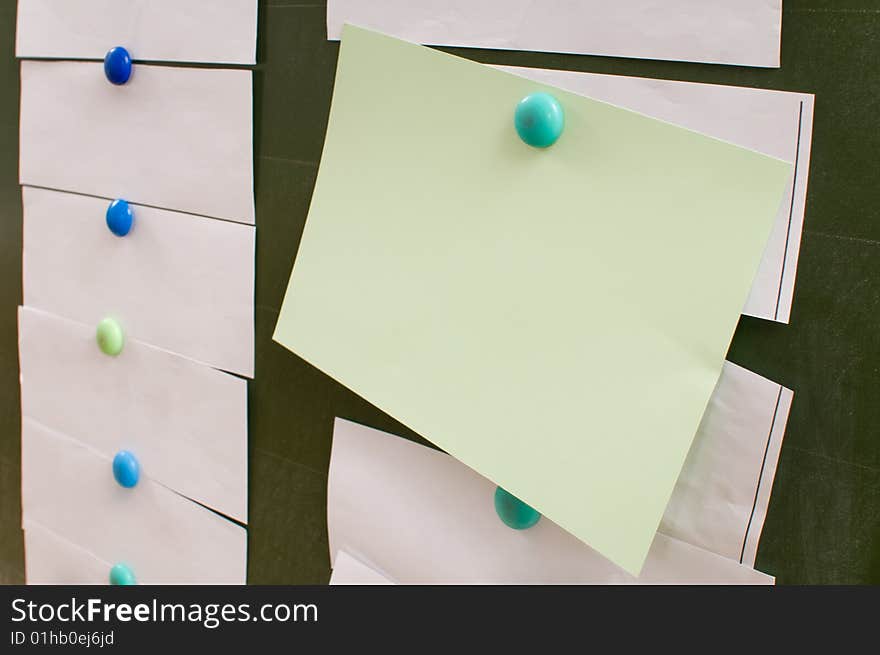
{"type": "Point", "coordinates": [117, 65]}
{"type": "Point", "coordinates": [513, 512]}
{"type": "Point", "coordinates": [126, 469]}
{"type": "Point", "coordinates": [120, 217]}
{"type": "Point", "coordinates": [539, 120]}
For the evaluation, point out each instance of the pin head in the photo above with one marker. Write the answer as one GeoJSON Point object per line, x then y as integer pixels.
{"type": "Point", "coordinates": [119, 217]}
{"type": "Point", "coordinates": [126, 469]}
{"type": "Point", "coordinates": [120, 574]}
{"type": "Point", "coordinates": [117, 65]}
{"type": "Point", "coordinates": [513, 512]}
{"type": "Point", "coordinates": [110, 337]}
{"type": "Point", "coordinates": [539, 120]}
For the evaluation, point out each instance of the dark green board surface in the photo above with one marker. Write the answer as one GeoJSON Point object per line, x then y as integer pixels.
{"type": "Point", "coordinates": [824, 520]}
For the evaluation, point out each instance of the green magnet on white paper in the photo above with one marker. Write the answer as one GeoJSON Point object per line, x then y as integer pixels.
{"type": "Point", "coordinates": [120, 574]}
{"type": "Point", "coordinates": [513, 512]}
{"type": "Point", "coordinates": [110, 337]}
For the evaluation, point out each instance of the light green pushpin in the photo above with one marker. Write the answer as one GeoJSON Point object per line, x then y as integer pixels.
{"type": "Point", "coordinates": [120, 574]}
{"type": "Point", "coordinates": [110, 337]}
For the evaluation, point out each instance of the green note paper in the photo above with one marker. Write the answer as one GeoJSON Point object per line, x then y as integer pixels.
{"type": "Point", "coordinates": [556, 319]}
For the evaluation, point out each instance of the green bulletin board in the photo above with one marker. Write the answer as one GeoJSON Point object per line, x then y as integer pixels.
{"type": "Point", "coordinates": [823, 524]}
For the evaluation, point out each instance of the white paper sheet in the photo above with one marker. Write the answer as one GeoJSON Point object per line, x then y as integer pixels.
{"type": "Point", "coordinates": [51, 559]}
{"type": "Point", "coordinates": [349, 571]}
{"type": "Point", "coordinates": [415, 515]}
{"type": "Point", "coordinates": [162, 536]}
{"type": "Point", "coordinates": [776, 123]}
{"type": "Point", "coordinates": [177, 281]}
{"type": "Point", "coordinates": [177, 138]}
{"type": "Point", "coordinates": [158, 30]}
{"type": "Point", "coordinates": [720, 500]}
{"type": "Point", "coordinates": [741, 32]}
{"type": "Point", "coordinates": [185, 422]}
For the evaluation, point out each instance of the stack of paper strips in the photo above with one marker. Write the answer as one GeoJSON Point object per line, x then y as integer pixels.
{"type": "Point", "coordinates": [743, 32]}
{"type": "Point", "coordinates": [405, 513]}
{"type": "Point", "coordinates": [138, 290]}
{"type": "Point", "coordinates": [554, 319]}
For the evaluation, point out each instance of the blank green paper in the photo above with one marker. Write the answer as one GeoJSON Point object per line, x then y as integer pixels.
{"type": "Point", "coordinates": [556, 319]}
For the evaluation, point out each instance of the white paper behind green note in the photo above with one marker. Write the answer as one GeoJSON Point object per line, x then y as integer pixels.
{"type": "Point", "coordinates": [491, 297]}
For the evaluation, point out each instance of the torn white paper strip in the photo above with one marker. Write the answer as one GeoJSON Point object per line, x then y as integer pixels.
{"type": "Point", "coordinates": [162, 536]}
{"type": "Point", "coordinates": [416, 515]}
{"type": "Point", "coordinates": [670, 561]}
{"type": "Point", "coordinates": [177, 281]}
{"type": "Point", "coordinates": [158, 30]}
{"type": "Point", "coordinates": [776, 123]}
{"type": "Point", "coordinates": [186, 423]}
{"type": "Point", "coordinates": [349, 571]}
{"type": "Point", "coordinates": [740, 32]}
{"type": "Point", "coordinates": [51, 559]}
{"type": "Point", "coordinates": [720, 500]}
{"type": "Point", "coordinates": [177, 138]}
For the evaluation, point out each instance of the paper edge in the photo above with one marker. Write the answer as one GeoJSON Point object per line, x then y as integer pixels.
{"type": "Point", "coordinates": [752, 537]}
{"type": "Point", "coordinates": [773, 62]}
{"type": "Point", "coordinates": [250, 60]}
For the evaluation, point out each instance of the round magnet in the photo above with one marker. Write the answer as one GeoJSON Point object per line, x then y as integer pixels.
{"type": "Point", "coordinates": [120, 574]}
{"type": "Point", "coordinates": [117, 65]}
{"type": "Point", "coordinates": [126, 469]}
{"type": "Point", "coordinates": [513, 512]}
{"type": "Point", "coordinates": [539, 120]}
{"type": "Point", "coordinates": [110, 337]}
{"type": "Point", "coordinates": [120, 217]}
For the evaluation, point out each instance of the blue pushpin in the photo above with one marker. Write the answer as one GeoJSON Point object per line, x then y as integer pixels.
{"type": "Point", "coordinates": [120, 574]}
{"type": "Point", "coordinates": [120, 217]}
{"type": "Point", "coordinates": [513, 512]}
{"type": "Point", "coordinates": [126, 469]}
{"type": "Point", "coordinates": [539, 120]}
{"type": "Point", "coordinates": [117, 65]}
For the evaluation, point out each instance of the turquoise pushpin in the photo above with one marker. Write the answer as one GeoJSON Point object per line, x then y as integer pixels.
{"type": "Point", "coordinates": [119, 217]}
{"type": "Point", "coordinates": [110, 337]}
{"type": "Point", "coordinates": [117, 65]}
{"type": "Point", "coordinates": [539, 120]}
{"type": "Point", "coordinates": [126, 469]}
{"type": "Point", "coordinates": [513, 512]}
{"type": "Point", "coordinates": [120, 574]}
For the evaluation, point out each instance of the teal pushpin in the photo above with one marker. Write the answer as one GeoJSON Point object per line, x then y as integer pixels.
{"type": "Point", "coordinates": [539, 120]}
{"type": "Point", "coordinates": [110, 337]}
{"type": "Point", "coordinates": [120, 574]}
{"type": "Point", "coordinates": [513, 512]}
